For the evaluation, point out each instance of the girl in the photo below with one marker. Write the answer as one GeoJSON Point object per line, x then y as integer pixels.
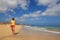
{"type": "Point", "coordinates": [13, 25]}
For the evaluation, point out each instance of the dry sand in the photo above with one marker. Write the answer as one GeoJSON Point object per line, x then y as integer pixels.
{"type": "Point", "coordinates": [25, 34]}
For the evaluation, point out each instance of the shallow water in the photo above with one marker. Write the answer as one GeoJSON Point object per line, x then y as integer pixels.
{"type": "Point", "coordinates": [52, 28]}
{"type": "Point", "coordinates": [44, 29]}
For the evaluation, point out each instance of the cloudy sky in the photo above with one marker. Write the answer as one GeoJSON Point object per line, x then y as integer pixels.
{"type": "Point", "coordinates": [35, 12]}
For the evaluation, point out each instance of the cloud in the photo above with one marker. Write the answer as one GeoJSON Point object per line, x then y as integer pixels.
{"type": "Point", "coordinates": [23, 4]}
{"type": "Point", "coordinates": [3, 9]}
{"type": "Point", "coordinates": [53, 11]}
{"type": "Point", "coordinates": [7, 4]}
{"type": "Point", "coordinates": [19, 19]}
{"type": "Point", "coordinates": [11, 10]}
{"type": "Point", "coordinates": [30, 16]}
{"type": "Point", "coordinates": [53, 8]}
{"type": "Point", "coordinates": [46, 2]}
{"type": "Point", "coordinates": [34, 14]}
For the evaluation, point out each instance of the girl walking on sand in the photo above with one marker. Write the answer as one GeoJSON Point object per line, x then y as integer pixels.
{"type": "Point", "coordinates": [13, 25]}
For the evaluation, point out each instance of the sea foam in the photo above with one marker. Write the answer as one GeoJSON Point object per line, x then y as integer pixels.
{"type": "Point", "coordinates": [40, 29]}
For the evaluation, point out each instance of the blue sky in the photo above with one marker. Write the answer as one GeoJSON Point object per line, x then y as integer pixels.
{"type": "Point", "coordinates": [34, 12]}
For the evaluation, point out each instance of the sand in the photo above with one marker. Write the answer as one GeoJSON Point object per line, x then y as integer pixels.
{"type": "Point", "coordinates": [25, 34]}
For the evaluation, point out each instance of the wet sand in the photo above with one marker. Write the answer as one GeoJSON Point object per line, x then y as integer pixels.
{"type": "Point", "coordinates": [25, 34]}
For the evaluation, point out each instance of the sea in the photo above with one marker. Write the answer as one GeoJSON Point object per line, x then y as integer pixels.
{"type": "Point", "coordinates": [49, 29]}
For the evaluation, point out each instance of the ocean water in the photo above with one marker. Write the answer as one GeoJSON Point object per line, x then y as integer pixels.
{"type": "Point", "coordinates": [49, 29]}
{"type": "Point", "coordinates": [52, 28]}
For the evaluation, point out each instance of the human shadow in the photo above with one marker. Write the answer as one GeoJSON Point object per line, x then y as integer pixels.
{"type": "Point", "coordinates": [11, 36]}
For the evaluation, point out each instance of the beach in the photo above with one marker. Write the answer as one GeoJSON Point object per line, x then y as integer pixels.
{"type": "Point", "coordinates": [23, 33]}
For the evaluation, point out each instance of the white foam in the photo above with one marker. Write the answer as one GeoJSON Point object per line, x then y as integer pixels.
{"type": "Point", "coordinates": [53, 32]}
{"type": "Point", "coordinates": [41, 29]}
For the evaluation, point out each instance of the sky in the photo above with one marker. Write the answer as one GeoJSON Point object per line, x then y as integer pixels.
{"type": "Point", "coordinates": [33, 12]}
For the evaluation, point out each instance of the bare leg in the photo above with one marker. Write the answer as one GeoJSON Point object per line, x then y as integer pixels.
{"type": "Point", "coordinates": [13, 31]}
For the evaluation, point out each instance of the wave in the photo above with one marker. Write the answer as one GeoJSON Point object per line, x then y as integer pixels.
{"type": "Point", "coordinates": [40, 29]}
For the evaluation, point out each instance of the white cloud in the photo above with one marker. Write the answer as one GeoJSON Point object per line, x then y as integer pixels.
{"type": "Point", "coordinates": [3, 9]}
{"type": "Point", "coordinates": [53, 8]}
{"type": "Point", "coordinates": [11, 10]}
{"type": "Point", "coordinates": [32, 16]}
{"type": "Point", "coordinates": [36, 18]}
{"type": "Point", "coordinates": [18, 19]}
{"type": "Point", "coordinates": [35, 14]}
{"type": "Point", "coordinates": [53, 11]}
{"type": "Point", "coordinates": [45, 2]}
{"type": "Point", "coordinates": [11, 3]}
{"type": "Point", "coordinates": [5, 4]}
{"type": "Point", "coordinates": [23, 3]}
